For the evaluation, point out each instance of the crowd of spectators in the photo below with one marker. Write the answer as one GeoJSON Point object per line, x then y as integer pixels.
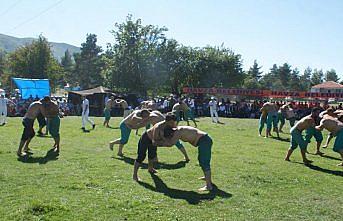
{"type": "Point", "coordinates": [236, 109]}
{"type": "Point", "coordinates": [199, 106]}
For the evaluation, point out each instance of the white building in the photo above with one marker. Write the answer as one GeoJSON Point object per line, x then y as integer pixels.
{"type": "Point", "coordinates": [327, 87]}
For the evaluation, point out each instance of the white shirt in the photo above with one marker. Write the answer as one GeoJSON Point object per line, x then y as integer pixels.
{"type": "Point", "coordinates": [191, 103]}
{"type": "Point", "coordinates": [3, 102]}
{"type": "Point", "coordinates": [85, 105]}
{"type": "Point", "coordinates": [213, 104]}
{"type": "Point", "coordinates": [106, 99]}
{"type": "Point", "coordinates": [165, 103]}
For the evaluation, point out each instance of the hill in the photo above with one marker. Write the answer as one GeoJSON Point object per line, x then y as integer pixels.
{"type": "Point", "coordinates": [9, 44]}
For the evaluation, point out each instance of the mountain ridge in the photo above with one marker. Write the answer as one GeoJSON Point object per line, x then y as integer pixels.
{"type": "Point", "coordinates": [9, 44]}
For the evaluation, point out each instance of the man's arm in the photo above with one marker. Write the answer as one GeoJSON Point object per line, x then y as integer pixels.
{"type": "Point", "coordinates": [320, 127]}
{"type": "Point", "coordinates": [136, 117]}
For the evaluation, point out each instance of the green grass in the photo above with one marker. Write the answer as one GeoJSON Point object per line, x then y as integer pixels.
{"type": "Point", "coordinates": [87, 182]}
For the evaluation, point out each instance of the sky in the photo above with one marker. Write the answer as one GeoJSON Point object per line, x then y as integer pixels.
{"type": "Point", "coordinates": [300, 32]}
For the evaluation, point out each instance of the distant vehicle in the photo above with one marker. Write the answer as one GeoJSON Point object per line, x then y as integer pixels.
{"type": "Point", "coordinates": [332, 101]}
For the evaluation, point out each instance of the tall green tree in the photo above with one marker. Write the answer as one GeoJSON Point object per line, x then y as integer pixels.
{"type": "Point", "coordinates": [317, 77]}
{"type": "Point", "coordinates": [253, 76]}
{"type": "Point", "coordinates": [254, 71]}
{"type": "Point", "coordinates": [271, 80]}
{"type": "Point", "coordinates": [88, 64]}
{"type": "Point", "coordinates": [135, 55]}
{"type": "Point", "coordinates": [3, 69]}
{"type": "Point", "coordinates": [305, 79]}
{"type": "Point", "coordinates": [284, 74]}
{"type": "Point", "coordinates": [2, 62]}
{"type": "Point", "coordinates": [35, 61]}
{"type": "Point", "coordinates": [331, 75]}
{"type": "Point", "coordinates": [294, 83]}
{"type": "Point", "coordinates": [67, 64]}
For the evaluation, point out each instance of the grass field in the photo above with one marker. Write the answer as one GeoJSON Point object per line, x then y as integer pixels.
{"type": "Point", "coordinates": [88, 182]}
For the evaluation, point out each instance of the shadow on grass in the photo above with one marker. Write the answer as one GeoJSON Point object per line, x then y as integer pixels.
{"type": "Point", "coordinates": [159, 165]}
{"type": "Point", "coordinates": [281, 139]}
{"type": "Point", "coordinates": [43, 136]}
{"type": "Point", "coordinates": [333, 172]}
{"type": "Point", "coordinates": [191, 197]}
{"type": "Point", "coordinates": [114, 128]}
{"type": "Point", "coordinates": [331, 158]}
{"type": "Point", "coordinates": [50, 156]}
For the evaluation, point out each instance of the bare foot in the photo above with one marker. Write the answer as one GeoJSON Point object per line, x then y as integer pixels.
{"type": "Point", "coordinates": [56, 150]}
{"type": "Point", "coordinates": [201, 178]}
{"type": "Point", "coordinates": [319, 153]}
{"type": "Point", "coordinates": [307, 162]}
{"type": "Point", "coordinates": [111, 146]}
{"type": "Point", "coordinates": [153, 171]}
{"type": "Point", "coordinates": [187, 160]}
{"type": "Point", "coordinates": [136, 178]}
{"type": "Point", "coordinates": [205, 188]}
{"type": "Point", "coordinates": [21, 154]}
{"type": "Point", "coordinates": [340, 164]}
{"type": "Point", "coordinates": [325, 146]}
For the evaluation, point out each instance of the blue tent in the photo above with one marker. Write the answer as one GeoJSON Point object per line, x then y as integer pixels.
{"type": "Point", "coordinates": [32, 87]}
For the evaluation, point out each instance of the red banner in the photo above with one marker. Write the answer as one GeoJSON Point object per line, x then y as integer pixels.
{"type": "Point", "coordinates": [261, 93]}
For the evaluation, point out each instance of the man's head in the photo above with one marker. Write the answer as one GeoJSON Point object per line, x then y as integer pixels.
{"type": "Point", "coordinates": [315, 112]}
{"type": "Point", "coordinates": [168, 131]}
{"type": "Point", "coordinates": [112, 97]}
{"type": "Point", "coordinates": [330, 112]}
{"type": "Point", "coordinates": [171, 119]}
{"type": "Point", "coordinates": [145, 113]}
{"type": "Point", "coordinates": [83, 97]}
{"type": "Point", "coordinates": [46, 100]}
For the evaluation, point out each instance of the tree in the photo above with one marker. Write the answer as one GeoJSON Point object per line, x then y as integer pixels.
{"type": "Point", "coordinates": [3, 69]}
{"type": "Point", "coordinates": [2, 62]}
{"type": "Point", "coordinates": [305, 79]}
{"type": "Point", "coordinates": [295, 83]}
{"type": "Point", "coordinates": [253, 76]}
{"type": "Point", "coordinates": [32, 61]}
{"type": "Point", "coordinates": [67, 64]}
{"type": "Point", "coordinates": [317, 77]}
{"type": "Point", "coordinates": [284, 74]}
{"type": "Point", "coordinates": [136, 57]}
{"type": "Point", "coordinates": [88, 64]}
{"type": "Point", "coordinates": [254, 71]}
{"type": "Point", "coordinates": [35, 61]}
{"type": "Point", "coordinates": [331, 75]}
{"type": "Point", "coordinates": [271, 80]}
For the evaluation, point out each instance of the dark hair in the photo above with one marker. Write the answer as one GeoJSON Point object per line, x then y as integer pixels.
{"type": "Point", "coordinates": [168, 131]}
{"type": "Point", "coordinates": [145, 111]}
{"type": "Point", "coordinates": [329, 110]}
{"type": "Point", "coordinates": [171, 117]}
{"type": "Point", "coordinates": [315, 109]}
{"type": "Point", "coordinates": [46, 99]}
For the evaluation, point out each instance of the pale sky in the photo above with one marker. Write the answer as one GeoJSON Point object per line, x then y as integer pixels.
{"type": "Point", "coordinates": [300, 32]}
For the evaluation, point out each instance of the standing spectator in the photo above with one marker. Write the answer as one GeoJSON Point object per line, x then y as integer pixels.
{"type": "Point", "coordinates": [3, 109]}
{"type": "Point", "coordinates": [213, 110]}
{"type": "Point", "coordinates": [85, 114]}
